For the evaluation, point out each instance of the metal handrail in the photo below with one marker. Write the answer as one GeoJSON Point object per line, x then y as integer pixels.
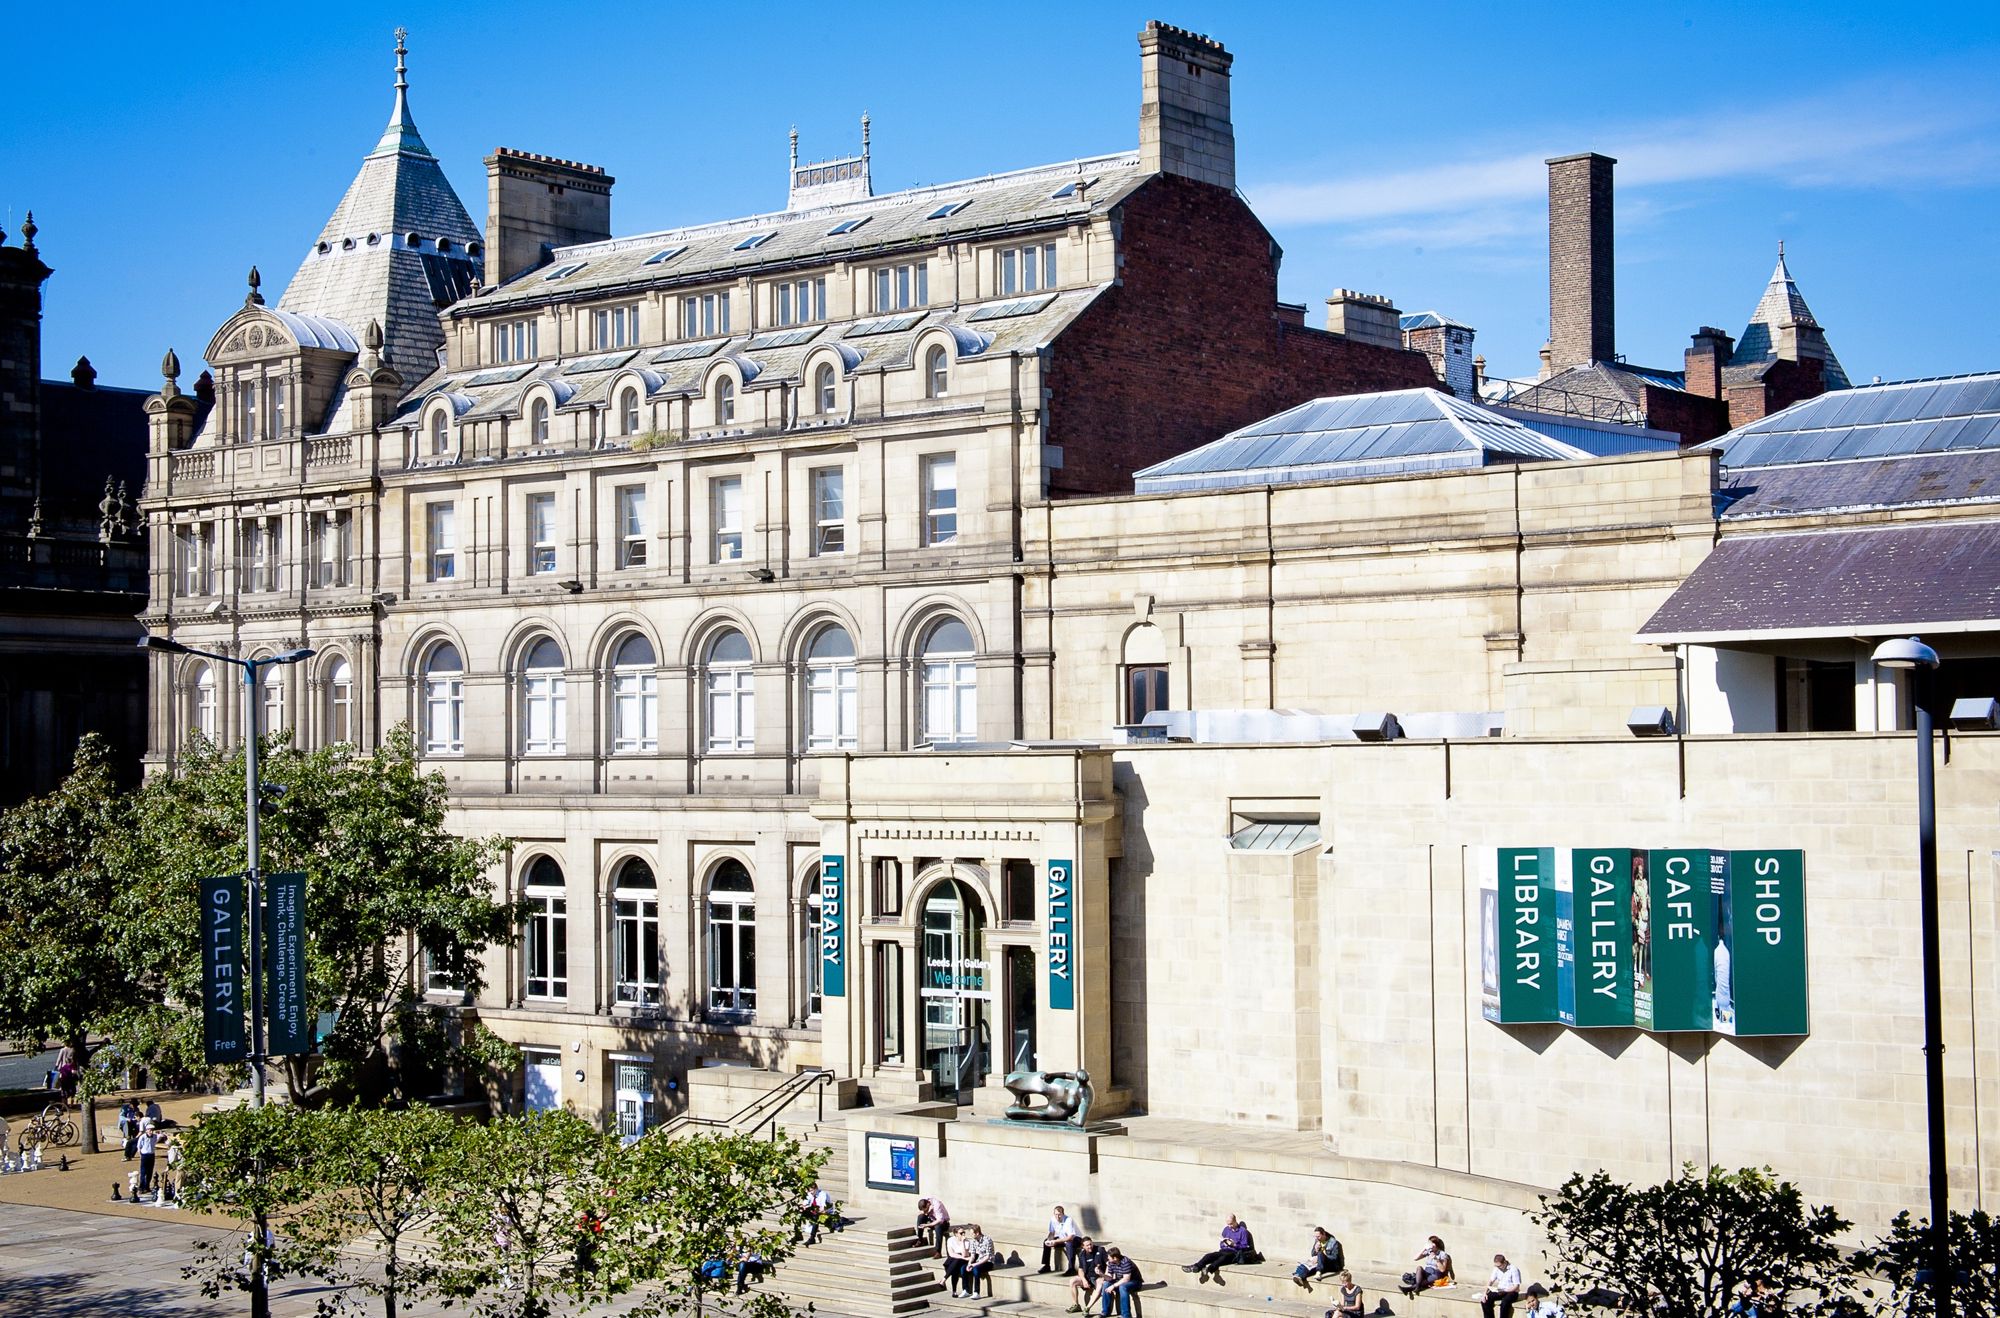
{"type": "Point", "coordinates": [777, 1100]}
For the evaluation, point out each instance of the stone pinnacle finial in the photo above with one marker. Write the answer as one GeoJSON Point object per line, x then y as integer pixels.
{"type": "Point", "coordinates": [373, 336]}
{"type": "Point", "coordinates": [864, 135]}
{"type": "Point", "coordinates": [28, 232]}
{"type": "Point", "coordinates": [255, 298]}
{"type": "Point", "coordinates": [402, 50]}
{"type": "Point", "coordinates": [795, 146]}
{"type": "Point", "coordinates": [170, 366]}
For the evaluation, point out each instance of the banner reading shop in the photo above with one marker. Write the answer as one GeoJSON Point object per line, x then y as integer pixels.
{"type": "Point", "coordinates": [1601, 878]}
{"type": "Point", "coordinates": [1687, 886]}
{"type": "Point", "coordinates": [833, 926]}
{"type": "Point", "coordinates": [285, 964]}
{"type": "Point", "coordinates": [1760, 961]}
{"type": "Point", "coordinates": [1520, 967]}
{"type": "Point", "coordinates": [222, 969]}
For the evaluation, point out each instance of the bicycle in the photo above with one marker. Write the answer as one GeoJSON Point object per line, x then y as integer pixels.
{"type": "Point", "coordinates": [51, 1126]}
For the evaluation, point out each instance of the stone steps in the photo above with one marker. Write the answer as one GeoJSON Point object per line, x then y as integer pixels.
{"type": "Point", "coordinates": [862, 1270]}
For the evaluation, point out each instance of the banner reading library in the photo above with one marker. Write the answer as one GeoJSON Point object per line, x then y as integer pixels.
{"type": "Point", "coordinates": [1676, 939]}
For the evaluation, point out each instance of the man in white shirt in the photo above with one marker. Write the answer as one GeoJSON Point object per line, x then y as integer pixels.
{"type": "Point", "coordinates": [1064, 1235]}
{"type": "Point", "coordinates": [1540, 1305]}
{"type": "Point", "coordinates": [1502, 1289]}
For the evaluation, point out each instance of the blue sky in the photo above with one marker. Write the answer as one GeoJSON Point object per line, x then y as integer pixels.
{"type": "Point", "coordinates": [1392, 149]}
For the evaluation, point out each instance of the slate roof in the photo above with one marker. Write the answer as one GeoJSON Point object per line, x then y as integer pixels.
{"type": "Point", "coordinates": [1782, 304]}
{"type": "Point", "coordinates": [1861, 484]}
{"type": "Point", "coordinates": [1353, 436]}
{"type": "Point", "coordinates": [1960, 412]}
{"type": "Point", "coordinates": [1019, 202]}
{"type": "Point", "coordinates": [397, 247]}
{"type": "Point", "coordinates": [1605, 391]}
{"type": "Point", "coordinates": [1838, 583]}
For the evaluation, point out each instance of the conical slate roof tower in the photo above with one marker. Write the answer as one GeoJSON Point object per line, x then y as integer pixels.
{"type": "Point", "coordinates": [1784, 326]}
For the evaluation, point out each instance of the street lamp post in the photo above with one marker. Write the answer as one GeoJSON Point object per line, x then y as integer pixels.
{"type": "Point", "coordinates": [260, 1298]}
{"type": "Point", "coordinates": [1920, 661]}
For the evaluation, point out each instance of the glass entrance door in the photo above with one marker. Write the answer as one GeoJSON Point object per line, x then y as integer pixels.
{"type": "Point", "coordinates": [957, 1032]}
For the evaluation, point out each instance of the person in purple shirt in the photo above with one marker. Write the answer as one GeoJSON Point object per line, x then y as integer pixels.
{"type": "Point", "coordinates": [1235, 1247]}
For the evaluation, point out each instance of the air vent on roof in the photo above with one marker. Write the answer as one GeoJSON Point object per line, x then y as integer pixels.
{"type": "Point", "coordinates": [505, 376]}
{"type": "Point", "coordinates": [564, 271]}
{"type": "Point", "coordinates": [949, 209]}
{"type": "Point", "coordinates": [688, 352]}
{"type": "Point", "coordinates": [664, 255]}
{"type": "Point", "coordinates": [755, 240]}
{"type": "Point", "coordinates": [848, 226]}
{"type": "Point", "coordinates": [1020, 306]}
{"type": "Point", "coordinates": [786, 338]}
{"type": "Point", "coordinates": [884, 324]}
{"type": "Point", "coordinates": [585, 365]}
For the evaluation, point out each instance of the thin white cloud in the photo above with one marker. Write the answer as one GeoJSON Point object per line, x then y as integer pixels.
{"type": "Point", "coordinates": [1869, 137]}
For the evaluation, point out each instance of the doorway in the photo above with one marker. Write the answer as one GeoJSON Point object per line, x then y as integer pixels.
{"type": "Point", "coordinates": [544, 1081]}
{"type": "Point", "coordinates": [957, 1002]}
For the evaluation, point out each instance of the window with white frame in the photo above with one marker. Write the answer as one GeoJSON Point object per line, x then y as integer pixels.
{"type": "Point", "coordinates": [247, 402]}
{"type": "Point", "coordinates": [438, 975]}
{"type": "Point", "coordinates": [950, 685]}
{"type": "Point", "coordinates": [725, 401]}
{"type": "Point", "coordinates": [704, 315]}
{"type": "Point", "coordinates": [833, 703]}
{"type": "Point", "coordinates": [826, 389]}
{"type": "Point", "coordinates": [632, 1091]}
{"type": "Point", "coordinates": [332, 535]}
{"type": "Point", "coordinates": [444, 701]}
{"type": "Point", "coordinates": [940, 486]}
{"type": "Point", "coordinates": [798, 301]}
{"type": "Point", "coordinates": [276, 394]}
{"type": "Point", "coordinates": [260, 553]}
{"type": "Point", "coordinates": [545, 699]}
{"type": "Point", "coordinates": [441, 527]}
{"type": "Point", "coordinates": [538, 422]}
{"type": "Point", "coordinates": [441, 432]}
{"type": "Point", "coordinates": [628, 412]}
{"type": "Point", "coordinates": [1027, 269]}
{"type": "Point", "coordinates": [730, 685]}
{"type": "Point", "coordinates": [811, 956]}
{"type": "Point", "coordinates": [515, 341]}
{"type": "Point", "coordinates": [614, 327]}
{"type": "Point", "coordinates": [937, 372]}
{"type": "Point", "coordinates": [272, 680]}
{"type": "Point", "coordinates": [732, 939]}
{"type": "Point", "coordinates": [340, 704]}
{"type": "Point", "coordinates": [900, 286]}
{"type": "Point", "coordinates": [635, 935]}
{"type": "Point", "coordinates": [545, 948]}
{"type": "Point", "coordinates": [725, 506]}
{"type": "Point", "coordinates": [194, 559]}
{"type": "Point", "coordinates": [631, 505]}
{"type": "Point", "coordinates": [635, 698]}
{"type": "Point", "coordinates": [829, 511]}
{"type": "Point", "coordinates": [202, 707]}
{"type": "Point", "coordinates": [541, 533]}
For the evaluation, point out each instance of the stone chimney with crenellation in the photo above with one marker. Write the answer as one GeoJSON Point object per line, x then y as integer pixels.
{"type": "Point", "coordinates": [1184, 125]}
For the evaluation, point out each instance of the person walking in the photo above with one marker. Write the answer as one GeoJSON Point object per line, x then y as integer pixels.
{"type": "Point", "coordinates": [148, 1145]}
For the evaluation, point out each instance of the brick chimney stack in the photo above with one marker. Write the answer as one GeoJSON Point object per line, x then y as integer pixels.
{"type": "Point", "coordinates": [1184, 125]}
{"type": "Point", "coordinates": [1705, 359]}
{"type": "Point", "coordinates": [1581, 299]}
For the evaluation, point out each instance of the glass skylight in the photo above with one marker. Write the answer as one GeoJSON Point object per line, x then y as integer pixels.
{"type": "Point", "coordinates": [848, 226]}
{"type": "Point", "coordinates": [950, 208]}
{"type": "Point", "coordinates": [753, 241]}
{"type": "Point", "coordinates": [664, 255]}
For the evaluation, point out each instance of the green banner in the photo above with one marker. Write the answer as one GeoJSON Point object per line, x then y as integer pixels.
{"type": "Point", "coordinates": [1524, 918]}
{"type": "Point", "coordinates": [290, 1023]}
{"type": "Point", "coordinates": [1687, 889]}
{"type": "Point", "coordinates": [1760, 962]}
{"type": "Point", "coordinates": [1061, 935]}
{"type": "Point", "coordinates": [1605, 950]}
{"type": "Point", "coordinates": [222, 970]}
{"type": "Point", "coordinates": [833, 926]}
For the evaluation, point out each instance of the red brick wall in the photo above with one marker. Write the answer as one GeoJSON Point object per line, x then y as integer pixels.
{"type": "Point", "coordinates": [1191, 346]}
{"type": "Point", "coordinates": [1693, 418]}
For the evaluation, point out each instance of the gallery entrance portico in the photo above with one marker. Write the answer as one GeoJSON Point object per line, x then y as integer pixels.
{"type": "Point", "coordinates": [953, 984]}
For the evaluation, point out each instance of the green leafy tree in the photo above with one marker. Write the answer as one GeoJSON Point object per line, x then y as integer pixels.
{"type": "Point", "coordinates": [383, 874]}
{"type": "Point", "coordinates": [520, 1229]}
{"type": "Point", "coordinates": [61, 970]}
{"type": "Point", "coordinates": [682, 1206]}
{"type": "Point", "coordinates": [382, 1176]}
{"type": "Point", "coordinates": [254, 1165]}
{"type": "Point", "coordinates": [1692, 1241]}
{"type": "Point", "coordinates": [1905, 1251]}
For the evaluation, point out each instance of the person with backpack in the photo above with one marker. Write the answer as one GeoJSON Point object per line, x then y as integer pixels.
{"type": "Point", "coordinates": [1323, 1257]}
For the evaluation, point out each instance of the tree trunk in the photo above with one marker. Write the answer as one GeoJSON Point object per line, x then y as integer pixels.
{"type": "Point", "coordinates": [88, 1121]}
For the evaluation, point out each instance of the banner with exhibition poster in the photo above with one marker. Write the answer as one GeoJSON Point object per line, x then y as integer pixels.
{"type": "Point", "coordinates": [1667, 940]}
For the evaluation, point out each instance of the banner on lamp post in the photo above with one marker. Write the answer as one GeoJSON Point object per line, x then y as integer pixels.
{"type": "Point", "coordinates": [289, 1022]}
{"type": "Point", "coordinates": [222, 995]}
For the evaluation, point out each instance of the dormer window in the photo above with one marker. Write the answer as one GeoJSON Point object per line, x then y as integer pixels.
{"type": "Point", "coordinates": [937, 373]}
{"type": "Point", "coordinates": [825, 389]}
{"type": "Point", "coordinates": [628, 411]}
{"type": "Point", "coordinates": [725, 401]}
{"type": "Point", "coordinates": [440, 433]}
{"type": "Point", "coordinates": [949, 209]}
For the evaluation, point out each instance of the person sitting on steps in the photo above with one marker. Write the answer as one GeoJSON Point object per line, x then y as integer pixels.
{"type": "Point", "coordinates": [980, 1253]}
{"type": "Point", "coordinates": [1323, 1257]}
{"type": "Point", "coordinates": [1235, 1247]}
{"type": "Point", "coordinates": [1502, 1289]}
{"type": "Point", "coordinates": [933, 1224]}
{"type": "Point", "coordinates": [1351, 1303]}
{"type": "Point", "coordinates": [1090, 1258]}
{"type": "Point", "coordinates": [1061, 1241]}
{"type": "Point", "coordinates": [1121, 1279]}
{"type": "Point", "coordinates": [816, 1211]}
{"type": "Point", "coordinates": [956, 1250]}
{"type": "Point", "coordinates": [1433, 1268]}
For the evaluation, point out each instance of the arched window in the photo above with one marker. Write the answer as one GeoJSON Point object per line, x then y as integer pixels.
{"type": "Point", "coordinates": [545, 949]}
{"type": "Point", "coordinates": [951, 685]}
{"type": "Point", "coordinates": [340, 704]}
{"type": "Point", "coordinates": [937, 378]}
{"type": "Point", "coordinates": [201, 702]}
{"type": "Point", "coordinates": [833, 711]}
{"type": "Point", "coordinates": [444, 701]}
{"type": "Point", "coordinates": [272, 680]}
{"type": "Point", "coordinates": [440, 432]}
{"type": "Point", "coordinates": [825, 389]}
{"type": "Point", "coordinates": [635, 699]}
{"type": "Point", "coordinates": [812, 957]}
{"type": "Point", "coordinates": [732, 700]}
{"type": "Point", "coordinates": [545, 695]}
{"type": "Point", "coordinates": [732, 939]}
{"type": "Point", "coordinates": [538, 421]}
{"type": "Point", "coordinates": [635, 935]}
{"type": "Point", "coordinates": [725, 401]}
{"type": "Point", "coordinates": [1145, 672]}
{"type": "Point", "coordinates": [628, 411]}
